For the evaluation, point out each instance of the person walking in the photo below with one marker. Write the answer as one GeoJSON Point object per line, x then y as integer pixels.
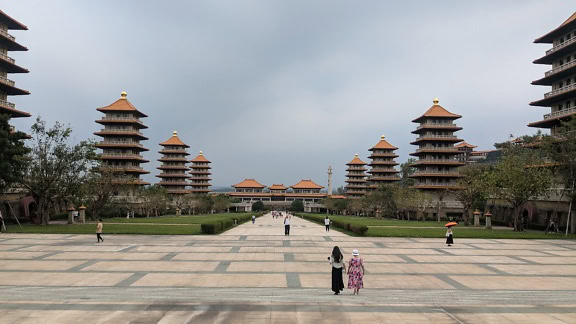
{"type": "Point", "coordinates": [287, 225]}
{"type": "Point", "coordinates": [99, 231]}
{"type": "Point", "coordinates": [355, 272]}
{"type": "Point", "coordinates": [327, 223]}
{"type": "Point", "coordinates": [253, 219]}
{"type": "Point", "coordinates": [449, 238]}
{"type": "Point", "coordinates": [337, 262]}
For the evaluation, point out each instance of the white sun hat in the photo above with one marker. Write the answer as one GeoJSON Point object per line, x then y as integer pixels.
{"type": "Point", "coordinates": [355, 252]}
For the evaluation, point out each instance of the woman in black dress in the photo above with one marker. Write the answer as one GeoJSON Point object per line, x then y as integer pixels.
{"type": "Point", "coordinates": [337, 262]}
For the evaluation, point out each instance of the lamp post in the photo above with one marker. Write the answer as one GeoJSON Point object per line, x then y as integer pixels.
{"type": "Point", "coordinates": [476, 218]}
{"type": "Point", "coordinates": [488, 220]}
{"type": "Point", "coordinates": [82, 216]}
{"type": "Point", "coordinates": [71, 211]}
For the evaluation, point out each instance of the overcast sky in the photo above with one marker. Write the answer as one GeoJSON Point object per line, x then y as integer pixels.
{"type": "Point", "coordinates": [280, 90]}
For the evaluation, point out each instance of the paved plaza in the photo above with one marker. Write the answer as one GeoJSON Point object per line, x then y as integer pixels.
{"type": "Point", "coordinates": [255, 274]}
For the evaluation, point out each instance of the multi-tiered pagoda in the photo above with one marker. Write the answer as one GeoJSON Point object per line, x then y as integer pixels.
{"type": "Point", "coordinates": [200, 180]}
{"type": "Point", "coordinates": [174, 169]}
{"type": "Point", "coordinates": [121, 146]}
{"type": "Point", "coordinates": [437, 164]}
{"type": "Point", "coordinates": [382, 164]}
{"type": "Point", "coordinates": [561, 77]}
{"type": "Point", "coordinates": [8, 65]}
{"type": "Point", "coordinates": [356, 178]}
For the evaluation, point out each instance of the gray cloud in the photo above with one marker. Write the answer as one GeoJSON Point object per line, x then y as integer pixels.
{"type": "Point", "coordinates": [279, 90]}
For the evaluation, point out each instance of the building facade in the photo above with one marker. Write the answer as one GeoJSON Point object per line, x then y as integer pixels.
{"type": "Point", "coordinates": [120, 145]}
{"type": "Point", "coordinates": [356, 178]}
{"type": "Point", "coordinates": [200, 175]}
{"type": "Point", "coordinates": [382, 164]}
{"type": "Point", "coordinates": [436, 167]}
{"type": "Point", "coordinates": [174, 167]}
{"type": "Point", "coordinates": [561, 77]}
{"type": "Point", "coordinates": [8, 66]}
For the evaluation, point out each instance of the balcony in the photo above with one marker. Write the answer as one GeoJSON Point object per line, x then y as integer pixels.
{"type": "Point", "coordinates": [7, 81]}
{"type": "Point", "coordinates": [437, 150]}
{"type": "Point", "coordinates": [561, 113]}
{"type": "Point", "coordinates": [6, 104]}
{"type": "Point", "coordinates": [560, 91]}
{"type": "Point", "coordinates": [562, 45]}
{"type": "Point", "coordinates": [123, 156]}
{"type": "Point", "coordinates": [436, 136]}
{"type": "Point", "coordinates": [7, 58]}
{"type": "Point", "coordinates": [439, 161]}
{"type": "Point", "coordinates": [560, 68]}
{"type": "Point", "coordinates": [433, 173]}
{"type": "Point", "coordinates": [7, 35]}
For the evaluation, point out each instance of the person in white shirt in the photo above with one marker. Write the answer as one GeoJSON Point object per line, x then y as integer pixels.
{"type": "Point", "coordinates": [287, 224]}
{"type": "Point", "coordinates": [327, 223]}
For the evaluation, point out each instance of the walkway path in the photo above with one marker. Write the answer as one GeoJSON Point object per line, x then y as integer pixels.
{"type": "Point", "coordinates": [255, 274]}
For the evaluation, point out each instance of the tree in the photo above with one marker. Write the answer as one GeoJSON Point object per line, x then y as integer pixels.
{"type": "Point", "coordinates": [329, 203]}
{"type": "Point", "coordinates": [297, 206]}
{"type": "Point", "coordinates": [518, 178]}
{"type": "Point", "coordinates": [341, 205]}
{"type": "Point", "coordinates": [381, 201]}
{"type": "Point", "coordinates": [155, 199]}
{"type": "Point", "coordinates": [560, 150]}
{"type": "Point", "coordinates": [221, 203]}
{"type": "Point", "coordinates": [340, 190]}
{"type": "Point", "coordinates": [472, 189]}
{"type": "Point", "coordinates": [406, 170]}
{"type": "Point", "coordinates": [97, 191]}
{"type": "Point", "coordinates": [57, 169]}
{"type": "Point", "coordinates": [258, 206]}
{"type": "Point", "coordinates": [13, 160]}
{"type": "Point", "coordinates": [407, 199]}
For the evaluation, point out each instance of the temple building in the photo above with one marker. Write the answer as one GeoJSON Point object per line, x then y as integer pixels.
{"type": "Point", "coordinates": [174, 175]}
{"type": "Point", "coordinates": [278, 196]}
{"type": "Point", "coordinates": [436, 167]}
{"type": "Point", "coordinates": [200, 175]}
{"type": "Point", "coordinates": [561, 77]}
{"type": "Point", "coordinates": [466, 150]}
{"type": "Point", "coordinates": [120, 145]}
{"type": "Point", "coordinates": [382, 164]}
{"type": "Point", "coordinates": [8, 65]}
{"type": "Point", "coordinates": [356, 178]}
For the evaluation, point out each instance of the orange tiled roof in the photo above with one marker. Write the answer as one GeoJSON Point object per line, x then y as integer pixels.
{"type": "Point", "coordinates": [174, 141]}
{"type": "Point", "coordinates": [356, 161]}
{"type": "Point", "coordinates": [306, 184]}
{"type": "Point", "coordinates": [249, 183]}
{"type": "Point", "coordinates": [121, 104]}
{"type": "Point", "coordinates": [383, 145]}
{"type": "Point", "coordinates": [464, 144]}
{"type": "Point", "coordinates": [200, 158]}
{"type": "Point", "coordinates": [278, 187]}
{"type": "Point", "coordinates": [437, 111]}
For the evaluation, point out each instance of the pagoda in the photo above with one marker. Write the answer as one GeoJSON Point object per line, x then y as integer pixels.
{"type": "Point", "coordinates": [466, 150]}
{"type": "Point", "coordinates": [174, 159]}
{"type": "Point", "coordinates": [8, 65]}
{"type": "Point", "coordinates": [200, 180]}
{"type": "Point", "coordinates": [382, 164]}
{"type": "Point", "coordinates": [437, 165]}
{"type": "Point", "coordinates": [120, 145]}
{"type": "Point", "coordinates": [356, 178]}
{"type": "Point", "coordinates": [561, 77]}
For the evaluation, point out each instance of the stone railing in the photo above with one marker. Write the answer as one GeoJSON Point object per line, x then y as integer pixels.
{"type": "Point", "coordinates": [560, 113]}
{"type": "Point", "coordinates": [122, 155]}
{"type": "Point", "coordinates": [7, 104]}
{"type": "Point", "coordinates": [120, 130]}
{"type": "Point", "coordinates": [438, 149]}
{"type": "Point", "coordinates": [436, 136]}
{"type": "Point", "coordinates": [559, 46]}
{"type": "Point", "coordinates": [560, 91]}
{"type": "Point", "coordinates": [561, 68]}
{"type": "Point", "coordinates": [119, 118]}
{"type": "Point", "coordinates": [7, 58]}
{"type": "Point", "coordinates": [5, 33]}
{"type": "Point", "coordinates": [438, 160]}
{"type": "Point", "coordinates": [424, 125]}
{"type": "Point", "coordinates": [435, 172]}
{"type": "Point", "coordinates": [7, 81]}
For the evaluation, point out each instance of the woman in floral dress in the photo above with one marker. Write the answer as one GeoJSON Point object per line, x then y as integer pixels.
{"type": "Point", "coordinates": [355, 272]}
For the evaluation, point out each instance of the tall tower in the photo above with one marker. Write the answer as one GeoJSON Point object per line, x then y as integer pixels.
{"type": "Point", "coordinates": [329, 180]}
{"type": "Point", "coordinates": [200, 180]}
{"type": "Point", "coordinates": [8, 65]}
{"type": "Point", "coordinates": [382, 164]}
{"type": "Point", "coordinates": [120, 145]}
{"type": "Point", "coordinates": [174, 160]}
{"type": "Point", "coordinates": [356, 178]}
{"type": "Point", "coordinates": [561, 77]}
{"type": "Point", "coordinates": [437, 164]}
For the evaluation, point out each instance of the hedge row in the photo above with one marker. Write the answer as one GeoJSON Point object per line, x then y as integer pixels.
{"type": "Point", "coordinates": [354, 228]}
{"type": "Point", "coordinates": [215, 227]}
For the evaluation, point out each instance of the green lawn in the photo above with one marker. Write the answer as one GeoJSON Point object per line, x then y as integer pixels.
{"type": "Point", "coordinates": [379, 227]}
{"type": "Point", "coordinates": [172, 219]}
{"type": "Point", "coordinates": [191, 229]}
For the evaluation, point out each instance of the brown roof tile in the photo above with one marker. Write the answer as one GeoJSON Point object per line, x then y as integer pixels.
{"type": "Point", "coordinates": [200, 158]}
{"type": "Point", "coordinates": [356, 161]}
{"type": "Point", "coordinates": [437, 111]}
{"type": "Point", "coordinates": [306, 184]}
{"type": "Point", "coordinates": [249, 183]}
{"type": "Point", "coordinates": [174, 141]}
{"type": "Point", "coordinates": [383, 145]}
{"type": "Point", "coordinates": [278, 187]}
{"type": "Point", "coordinates": [464, 144]}
{"type": "Point", "coordinates": [122, 104]}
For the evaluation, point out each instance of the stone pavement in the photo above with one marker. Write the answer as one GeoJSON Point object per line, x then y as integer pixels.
{"type": "Point", "coordinates": [255, 274]}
